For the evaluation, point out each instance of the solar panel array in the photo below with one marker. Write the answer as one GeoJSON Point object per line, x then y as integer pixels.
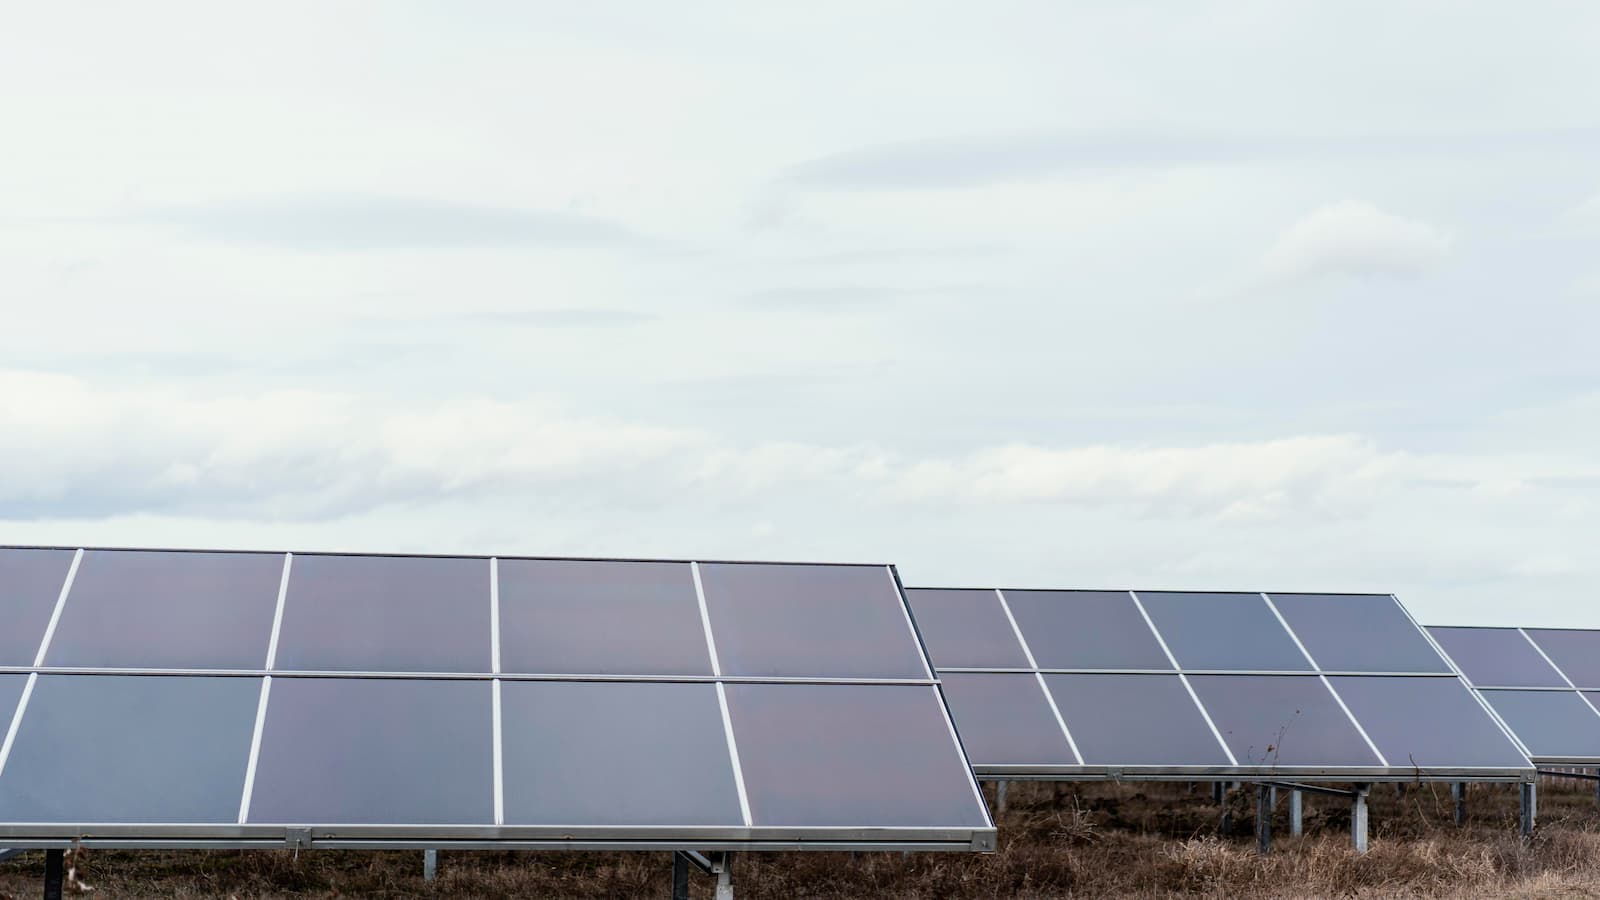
{"type": "Point", "coordinates": [161, 698]}
{"type": "Point", "coordinates": [1082, 684]}
{"type": "Point", "coordinates": [1544, 683]}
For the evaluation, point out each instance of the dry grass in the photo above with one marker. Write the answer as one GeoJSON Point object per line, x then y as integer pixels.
{"type": "Point", "coordinates": [1099, 841]}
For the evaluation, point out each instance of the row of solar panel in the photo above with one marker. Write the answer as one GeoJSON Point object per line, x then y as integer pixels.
{"type": "Point", "coordinates": [1042, 681]}
{"type": "Point", "coordinates": [428, 615]}
{"type": "Point", "coordinates": [1170, 631]}
{"type": "Point", "coordinates": [1540, 681]}
{"type": "Point", "coordinates": [153, 749]}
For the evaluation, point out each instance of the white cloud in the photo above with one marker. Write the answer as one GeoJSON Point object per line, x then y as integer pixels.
{"type": "Point", "coordinates": [1245, 480]}
{"type": "Point", "coordinates": [1354, 239]}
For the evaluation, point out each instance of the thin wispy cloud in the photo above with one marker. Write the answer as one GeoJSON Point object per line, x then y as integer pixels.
{"type": "Point", "coordinates": [356, 222]}
{"type": "Point", "coordinates": [983, 160]}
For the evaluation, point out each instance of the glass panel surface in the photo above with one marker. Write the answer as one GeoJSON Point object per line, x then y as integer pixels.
{"type": "Point", "coordinates": [821, 621]}
{"type": "Point", "coordinates": [1358, 633]}
{"type": "Point", "coordinates": [1086, 630]}
{"type": "Point", "coordinates": [139, 609]}
{"type": "Point", "coordinates": [1496, 657]}
{"type": "Point", "coordinates": [1282, 720]}
{"type": "Point", "coordinates": [30, 584]}
{"type": "Point", "coordinates": [966, 628]}
{"type": "Point", "coordinates": [609, 753]}
{"type": "Point", "coordinates": [1135, 720]}
{"type": "Point", "coordinates": [1223, 632]}
{"type": "Point", "coordinates": [1427, 723]}
{"type": "Point", "coordinates": [377, 751]}
{"type": "Point", "coordinates": [851, 755]}
{"type": "Point", "coordinates": [1551, 724]}
{"type": "Point", "coordinates": [386, 614]}
{"type": "Point", "coordinates": [101, 749]}
{"type": "Point", "coordinates": [10, 692]}
{"type": "Point", "coordinates": [1005, 720]}
{"type": "Point", "coordinates": [600, 618]}
{"type": "Point", "coordinates": [1575, 652]}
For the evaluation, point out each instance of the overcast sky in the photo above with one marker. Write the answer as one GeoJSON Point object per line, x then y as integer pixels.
{"type": "Point", "coordinates": [1297, 296]}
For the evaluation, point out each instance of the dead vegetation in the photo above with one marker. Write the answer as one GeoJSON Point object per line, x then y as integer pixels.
{"type": "Point", "coordinates": [1092, 841]}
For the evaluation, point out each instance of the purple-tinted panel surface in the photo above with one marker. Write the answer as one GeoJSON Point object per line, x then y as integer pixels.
{"type": "Point", "coordinates": [376, 751]}
{"type": "Point", "coordinates": [1005, 720]}
{"type": "Point", "coordinates": [608, 618]}
{"type": "Point", "coordinates": [1135, 720]}
{"type": "Point", "coordinates": [1496, 657]}
{"type": "Point", "coordinates": [616, 753]}
{"type": "Point", "coordinates": [30, 584]}
{"type": "Point", "coordinates": [1358, 633]}
{"type": "Point", "coordinates": [1427, 723]}
{"type": "Point", "coordinates": [157, 610]}
{"type": "Point", "coordinates": [1551, 724]}
{"type": "Point", "coordinates": [851, 755]}
{"type": "Point", "coordinates": [1086, 630]}
{"type": "Point", "coordinates": [1223, 632]}
{"type": "Point", "coordinates": [966, 629]}
{"type": "Point", "coordinates": [386, 614]}
{"type": "Point", "coordinates": [799, 620]}
{"type": "Point", "coordinates": [1282, 720]}
{"type": "Point", "coordinates": [1576, 652]}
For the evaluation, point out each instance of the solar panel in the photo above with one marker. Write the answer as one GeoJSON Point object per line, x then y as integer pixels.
{"type": "Point", "coordinates": [1532, 678]}
{"type": "Point", "coordinates": [1358, 633]}
{"type": "Point", "coordinates": [251, 700]}
{"type": "Point", "coordinates": [30, 581]}
{"type": "Point", "coordinates": [130, 748]}
{"type": "Point", "coordinates": [1575, 652]}
{"type": "Point", "coordinates": [385, 614]}
{"type": "Point", "coordinates": [1135, 720]}
{"type": "Point", "coordinates": [168, 611]}
{"type": "Point", "coordinates": [1223, 632]}
{"type": "Point", "coordinates": [1497, 657]}
{"type": "Point", "coordinates": [1189, 685]}
{"type": "Point", "coordinates": [1054, 624]}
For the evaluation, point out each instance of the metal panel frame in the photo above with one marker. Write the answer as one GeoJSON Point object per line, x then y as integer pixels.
{"type": "Point", "coordinates": [243, 834]}
{"type": "Point", "coordinates": [1388, 772]}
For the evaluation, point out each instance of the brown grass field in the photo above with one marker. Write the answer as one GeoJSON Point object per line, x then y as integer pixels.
{"type": "Point", "coordinates": [1092, 841]}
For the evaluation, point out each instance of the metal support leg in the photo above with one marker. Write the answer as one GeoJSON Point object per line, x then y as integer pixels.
{"type": "Point", "coordinates": [1000, 796]}
{"type": "Point", "coordinates": [1219, 792]}
{"type": "Point", "coordinates": [722, 864]}
{"type": "Point", "coordinates": [1225, 820]}
{"type": "Point", "coordinates": [680, 876]}
{"type": "Point", "coordinates": [1458, 792]}
{"type": "Point", "coordinates": [1296, 813]}
{"type": "Point", "coordinates": [1358, 818]}
{"type": "Point", "coordinates": [1263, 819]}
{"type": "Point", "coordinates": [52, 874]}
{"type": "Point", "coordinates": [1529, 808]}
{"type": "Point", "coordinates": [430, 864]}
{"type": "Point", "coordinates": [1597, 788]}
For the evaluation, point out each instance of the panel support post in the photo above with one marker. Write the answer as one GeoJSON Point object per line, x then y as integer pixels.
{"type": "Point", "coordinates": [1358, 818]}
{"type": "Point", "coordinates": [1263, 819]}
{"type": "Point", "coordinates": [721, 864]}
{"type": "Point", "coordinates": [1458, 791]}
{"type": "Point", "coordinates": [53, 866]}
{"type": "Point", "coordinates": [1219, 792]}
{"type": "Point", "coordinates": [1225, 820]}
{"type": "Point", "coordinates": [1297, 803]}
{"type": "Point", "coordinates": [1529, 807]}
{"type": "Point", "coordinates": [430, 864]}
{"type": "Point", "coordinates": [680, 876]}
{"type": "Point", "coordinates": [1000, 795]}
{"type": "Point", "coordinates": [1597, 788]}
